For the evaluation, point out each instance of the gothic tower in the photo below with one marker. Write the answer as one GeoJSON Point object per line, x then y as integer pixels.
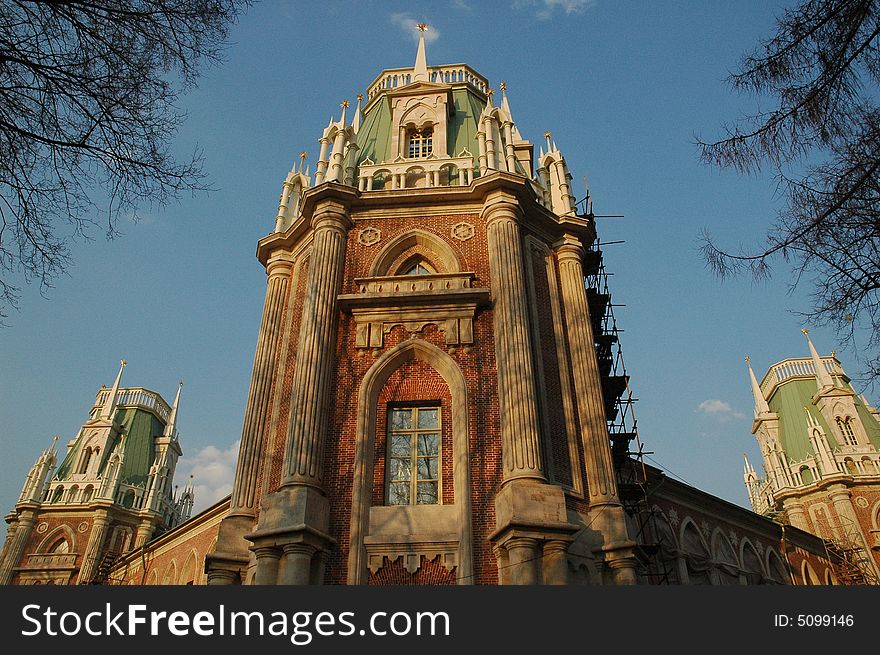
{"type": "Point", "coordinates": [111, 493]}
{"type": "Point", "coordinates": [820, 446]}
{"type": "Point", "coordinates": [426, 403]}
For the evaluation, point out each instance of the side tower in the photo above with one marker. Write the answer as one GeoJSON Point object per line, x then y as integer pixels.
{"type": "Point", "coordinates": [820, 445]}
{"type": "Point", "coordinates": [111, 493]}
{"type": "Point", "coordinates": [426, 404]}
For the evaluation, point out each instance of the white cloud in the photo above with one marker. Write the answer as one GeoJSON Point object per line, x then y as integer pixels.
{"type": "Point", "coordinates": [407, 24]}
{"type": "Point", "coordinates": [212, 470]}
{"type": "Point", "coordinates": [544, 9]}
{"type": "Point", "coordinates": [718, 409]}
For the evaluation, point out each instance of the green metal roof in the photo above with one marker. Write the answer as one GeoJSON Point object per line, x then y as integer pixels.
{"type": "Point", "coordinates": [789, 401]}
{"type": "Point", "coordinates": [374, 136]}
{"type": "Point", "coordinates": [140, 428]}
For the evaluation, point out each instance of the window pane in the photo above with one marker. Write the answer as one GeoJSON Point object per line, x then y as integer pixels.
{"type": "Point", "coordinates": [427, 493]}
{"type": "Point", "coordinates": [401, 419]}
{"type": "Point", "coordinates": [427, 468]}
{"type": "Point", "coordinates": [398, 493]}
{"type": "Point", "coordinates": [428, 418]}
{"type": "Point", "coordinates": [428, 444]}
{"type": "Point", "coordinates": [401, 445]}
{"type": "Point", "coordinates": [399, 469]}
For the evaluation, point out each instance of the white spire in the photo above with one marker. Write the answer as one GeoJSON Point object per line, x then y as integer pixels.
{"type": "Point", "coordinates": [171, 426]}
{"type": "Point", "coordinates": [823, 379]}
{"type": "Point", "coordinates": [420, 70]}
{"type": "Point", "coordinates": [356, 121]}
{"type": "Point", "coordinates": [761, 406]}
{"type": "Point", "coordinates": [110, 403]}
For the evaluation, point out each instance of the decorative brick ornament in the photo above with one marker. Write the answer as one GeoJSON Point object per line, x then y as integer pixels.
{"type": "Point", "coordinates": [369, 236]}
{"type": "Point", "coordinates": [462, 231]}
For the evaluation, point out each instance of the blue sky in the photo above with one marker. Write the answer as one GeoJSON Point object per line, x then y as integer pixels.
{"type": "Point", "coordinates": [624, 87]}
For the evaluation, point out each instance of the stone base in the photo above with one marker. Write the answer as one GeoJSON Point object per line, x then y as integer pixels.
{"type": "Point", "coordinates": [291, 542]}
{"type": "Point", "coordinates": [532, 533]}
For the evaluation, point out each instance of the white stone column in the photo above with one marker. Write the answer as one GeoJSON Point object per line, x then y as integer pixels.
{"type": "Point", "coordinates": [520, 435]}
{"type": "Point", "coordinates": [321, 170]}
{"type": "Point", "coordinates": [508, 147]}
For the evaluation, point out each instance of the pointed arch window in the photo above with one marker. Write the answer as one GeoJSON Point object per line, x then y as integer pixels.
{"type": "Point", "coordinates": [845, 427]}
{"type": "Point", "coordinates": [420, 142]}
{"type": "Point", "coordinates": [418, 268]}
{"type": "Point", "coordinates": [413, 470]}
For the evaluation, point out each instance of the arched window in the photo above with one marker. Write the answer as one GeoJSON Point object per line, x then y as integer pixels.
{"type": "Point", "coordinates": [58, 494]}
{"type": "Point", "coordinates": [413, 472]}
{"type": "Point", "coordinates": [845, 427]}
{"type": "Point", "coordinates": [418, 267]}
{"type": "Point", "coordinates": [419, 142]}
{"type": "Point", "coordinates": [85, 461]}
{"type": "Point", "coordinates": [806, 475]}
{"type": "Point", "coordinates": [87, 494]}
{"type": "Point", "coordinates": [60, 547]}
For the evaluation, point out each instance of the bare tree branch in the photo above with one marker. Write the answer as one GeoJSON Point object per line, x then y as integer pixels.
{"type": "Point", "coordinates": [88, 110]}
{"type": "Point", "coordinates": [823, 68]}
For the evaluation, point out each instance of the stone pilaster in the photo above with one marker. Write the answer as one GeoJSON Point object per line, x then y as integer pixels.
{"type": "Point", "coordinates": [232, 549]}
{"type": "Point", "coordinates": [608, 517]}
{"type": "Point", "coordinates": [95, 548]}
{"type": "Point", "coordinates": [797, 516]}
{"type": "Point", "coordinates": [15, 544]}
{"type": "Point", "coordinates": [521, 446]}
{"type": "Point", "coordinates": [303, 461]}
{"type": "Point", "coordinates": [296, 516]}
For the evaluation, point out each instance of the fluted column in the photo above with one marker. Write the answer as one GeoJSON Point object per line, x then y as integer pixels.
{"type": "Point", "coordinates": [244, 488]}
{"type": "Point", "coordinates": [797, 516]}
{"type": "Point", "coordinates": [520, 437]}
{"type": "Point", "coordinates": [303, 461]}
{"type": "Point", "coordinates": [602, 485]}
{"type": "Point", "coordinates": [95, 546]}
{"type": "Point", "coordinates": [226, 563]}
{"type": "Point", "coordinates": [608, 519]}
{"type": "Point", "coordinates": [15, 545]}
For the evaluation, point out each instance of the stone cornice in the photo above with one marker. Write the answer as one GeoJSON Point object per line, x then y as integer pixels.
{"type": "Point", "coordinates": [535, 217]}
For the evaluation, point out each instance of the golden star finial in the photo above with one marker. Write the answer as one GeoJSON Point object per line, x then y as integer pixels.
{"type": "Point", "coordinates": [344, 104]}
{"type": "Point", "coordinates": [360, 96]}
{"type": "Point", "coordinates": [805, 331]}
{"type": "Point", "coordinates": [547, 134]}
{"type": "Point", "coordinates": [748, 359]}
{"type": "Point", "coordinates": [422, 27]}
{"type": "Point", "coordinates": [502, 86]}
{"type": "Point", "coordinates": [303, 155]}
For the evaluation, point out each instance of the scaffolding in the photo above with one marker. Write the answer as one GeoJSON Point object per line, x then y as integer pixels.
{"type": "Point", "coordinates": [629, 464]}
{"type": "Point", "coordinates": [850, 560]}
